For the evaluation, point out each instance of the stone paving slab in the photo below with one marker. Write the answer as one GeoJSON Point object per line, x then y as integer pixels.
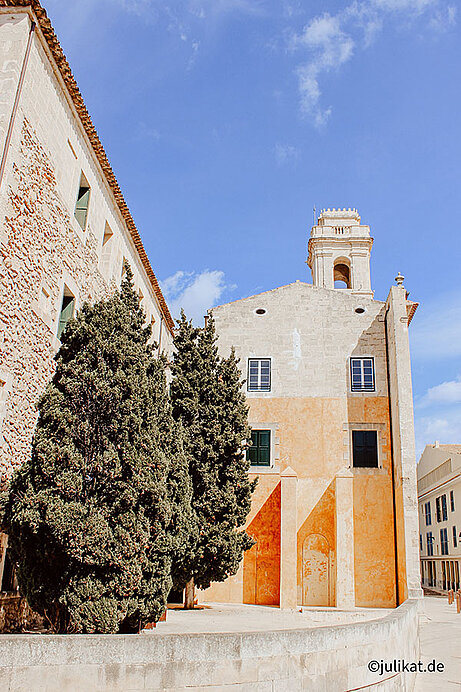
{"type": "Point", "coordinates": [440, 639]}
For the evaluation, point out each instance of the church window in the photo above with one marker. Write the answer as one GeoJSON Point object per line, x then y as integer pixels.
{"type": "Point", "coordinates": [67, 310]}
{"type": "Point", "coordinates": [83, 201]}
{"type": "Point", "coordinates": [365, 448]}
{"type": "Point", "coordinates": [362, 375]}
{"type": "Point", "coordinates": [259, 453]}
{"type": "Point", "coordinates": [259, 375]}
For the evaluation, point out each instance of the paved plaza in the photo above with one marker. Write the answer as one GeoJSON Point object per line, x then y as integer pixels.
{"type": "Point", "coordinates": [440, 633]}
{"type": "Point", "coordinates": [223, 617]}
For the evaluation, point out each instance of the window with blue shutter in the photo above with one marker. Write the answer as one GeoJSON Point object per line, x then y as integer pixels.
{"type": "Point", "coordinates": [430, 543]}
{"type": "Point", "coordinates": [444, 541]}
{"type": "Point", "coordinates": [427, 508]}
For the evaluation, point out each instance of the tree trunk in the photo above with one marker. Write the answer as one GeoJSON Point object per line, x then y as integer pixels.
{"type": "Point", "coordinates": [189, 594]}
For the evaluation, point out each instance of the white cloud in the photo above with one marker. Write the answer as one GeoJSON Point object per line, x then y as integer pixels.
{"type": "Point", "coordinates": [147, 133]}
{"type": "Point", "coordinates": [436, 331]}
{"type": "Point", "coordinates": [206, 8]}
{"type": "Point", "coordinates": [332, 48]}
{"type": "Point", "coordinates": [442, 394]}
{"type": "Point", "coordinates": [194, 293]}
{"type": "Point", "coordinates": [285, 153]}
{"type": "Point", "coordinates": [332, 40]}
{"type": "Point", "coordinates": [445, 426]}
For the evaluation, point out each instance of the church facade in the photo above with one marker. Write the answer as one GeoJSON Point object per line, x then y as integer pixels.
{"type": "Point", "coordinates": [328, 384]}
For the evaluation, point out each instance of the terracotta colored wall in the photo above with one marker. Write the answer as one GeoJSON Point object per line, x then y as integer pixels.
{"type": "Point", "coordinates": [261, 564]}
{"type": "Point", "coordinates": [320, 521]}
{"type": "Point", "coordinates": [313, 438]}
{"type": "Point", "coordinates": [374, 552]}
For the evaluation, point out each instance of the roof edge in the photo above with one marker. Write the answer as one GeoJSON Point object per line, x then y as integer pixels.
{"type": "Point", "coordinates": [63, 66]}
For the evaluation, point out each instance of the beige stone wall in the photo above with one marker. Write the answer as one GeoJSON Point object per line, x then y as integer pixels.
{"type": "Point", "coordinates": [43, 247]}
{"type": "Point", "coordinates": [309, 333]}
{"type": "Point", "coordinates": [329, 658]}
{"type": "Point", "coordinates": [403, 439]}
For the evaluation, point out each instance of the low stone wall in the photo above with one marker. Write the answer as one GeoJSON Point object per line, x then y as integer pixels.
{"type": "Point", "coordinates": [324, 659]}
{"type": "Point", "coordinates": [16, 616]}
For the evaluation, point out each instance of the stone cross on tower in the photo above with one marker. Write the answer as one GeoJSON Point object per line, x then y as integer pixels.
{"type": "Point", "coordinates": [339, 250]}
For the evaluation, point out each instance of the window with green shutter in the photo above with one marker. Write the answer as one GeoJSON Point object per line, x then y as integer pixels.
{"type": "Point", "coordinates": [67, 310]}
{"type": "Point", "coordinates": [83, 201]}
{"type": "Point", "coordinates": [259, 453]}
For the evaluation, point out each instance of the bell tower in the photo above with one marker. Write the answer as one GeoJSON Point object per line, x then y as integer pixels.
{"type": "Point", "coordinates": [339, 250]}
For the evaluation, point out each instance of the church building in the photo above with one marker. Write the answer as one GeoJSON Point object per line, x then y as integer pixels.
{"type": "Point", "coordinates": [328, 383]}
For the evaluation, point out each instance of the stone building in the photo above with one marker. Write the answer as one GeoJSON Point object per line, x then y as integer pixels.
{"type": "Point", "coordinates": [65, 229]}
{"type": "Point", "coordinates": [328, 384]}
{"type": "Point", "coordinates": [439, 500]}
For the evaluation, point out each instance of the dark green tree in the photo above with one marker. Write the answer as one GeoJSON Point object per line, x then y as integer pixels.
{"type": "Point", "coordinates": [94, 517]}
{"type": "Point", "coordinates": [208, 401]}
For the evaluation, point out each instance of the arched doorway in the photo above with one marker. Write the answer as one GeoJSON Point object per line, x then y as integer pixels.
{"type": "Point", "coordinates": [316, 570]}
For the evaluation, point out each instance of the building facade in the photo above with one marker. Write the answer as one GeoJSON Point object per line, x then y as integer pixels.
{"type": "Point", "coordinates": [65, 229]}
{"type": "Point", "coordinates": [328, 384]}
{"type": "Point", "coordinates": [439, 505]}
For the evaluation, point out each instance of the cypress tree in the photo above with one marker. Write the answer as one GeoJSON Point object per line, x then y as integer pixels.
{"type": "Point", "coordinates": [89, 517]}
{"type": "Point", "coordinates": [207, 399]}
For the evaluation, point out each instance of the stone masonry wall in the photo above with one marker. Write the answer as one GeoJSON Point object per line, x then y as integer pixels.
{"type": "Point", "coordinates": [41, 249]}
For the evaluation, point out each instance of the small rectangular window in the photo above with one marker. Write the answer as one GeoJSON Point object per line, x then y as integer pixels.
{"type": "Point", "coordinates": [438, 510]}
{"type": "Point", "coordinates": [427, 508]}
{"type": "Point", "coordinates": [420, 542]}
{"type": "Point", "coordinates": [455, 538]}
{"type": "Point", "coordinates": [67, 310]}
{"type": "Point", "coordinates": [430, 543]}
{"type": "Point", "coordinates": [452, 501]}
{"type": "Point", "coordinates": [259, 453]}
{"type": "Point", "coordinates": [444, 541]}
{"type": "Point", "coordinates": [259, 375]}
{"type": "Point", "coordinates": [83, 201]}
{"type": "Point", "coordinates": [362, 375]}
{"type": "Point", "coordinates": [365, 448]}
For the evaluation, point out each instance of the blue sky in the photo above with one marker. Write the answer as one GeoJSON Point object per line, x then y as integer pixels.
{"type": "Point", "coordinates": [227, 121]}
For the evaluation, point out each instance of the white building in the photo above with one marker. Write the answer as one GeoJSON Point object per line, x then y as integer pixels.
{"type": "Point", "coordinates": [65, 228]}
{"type": "Point", "coordinates": [439, 510]}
